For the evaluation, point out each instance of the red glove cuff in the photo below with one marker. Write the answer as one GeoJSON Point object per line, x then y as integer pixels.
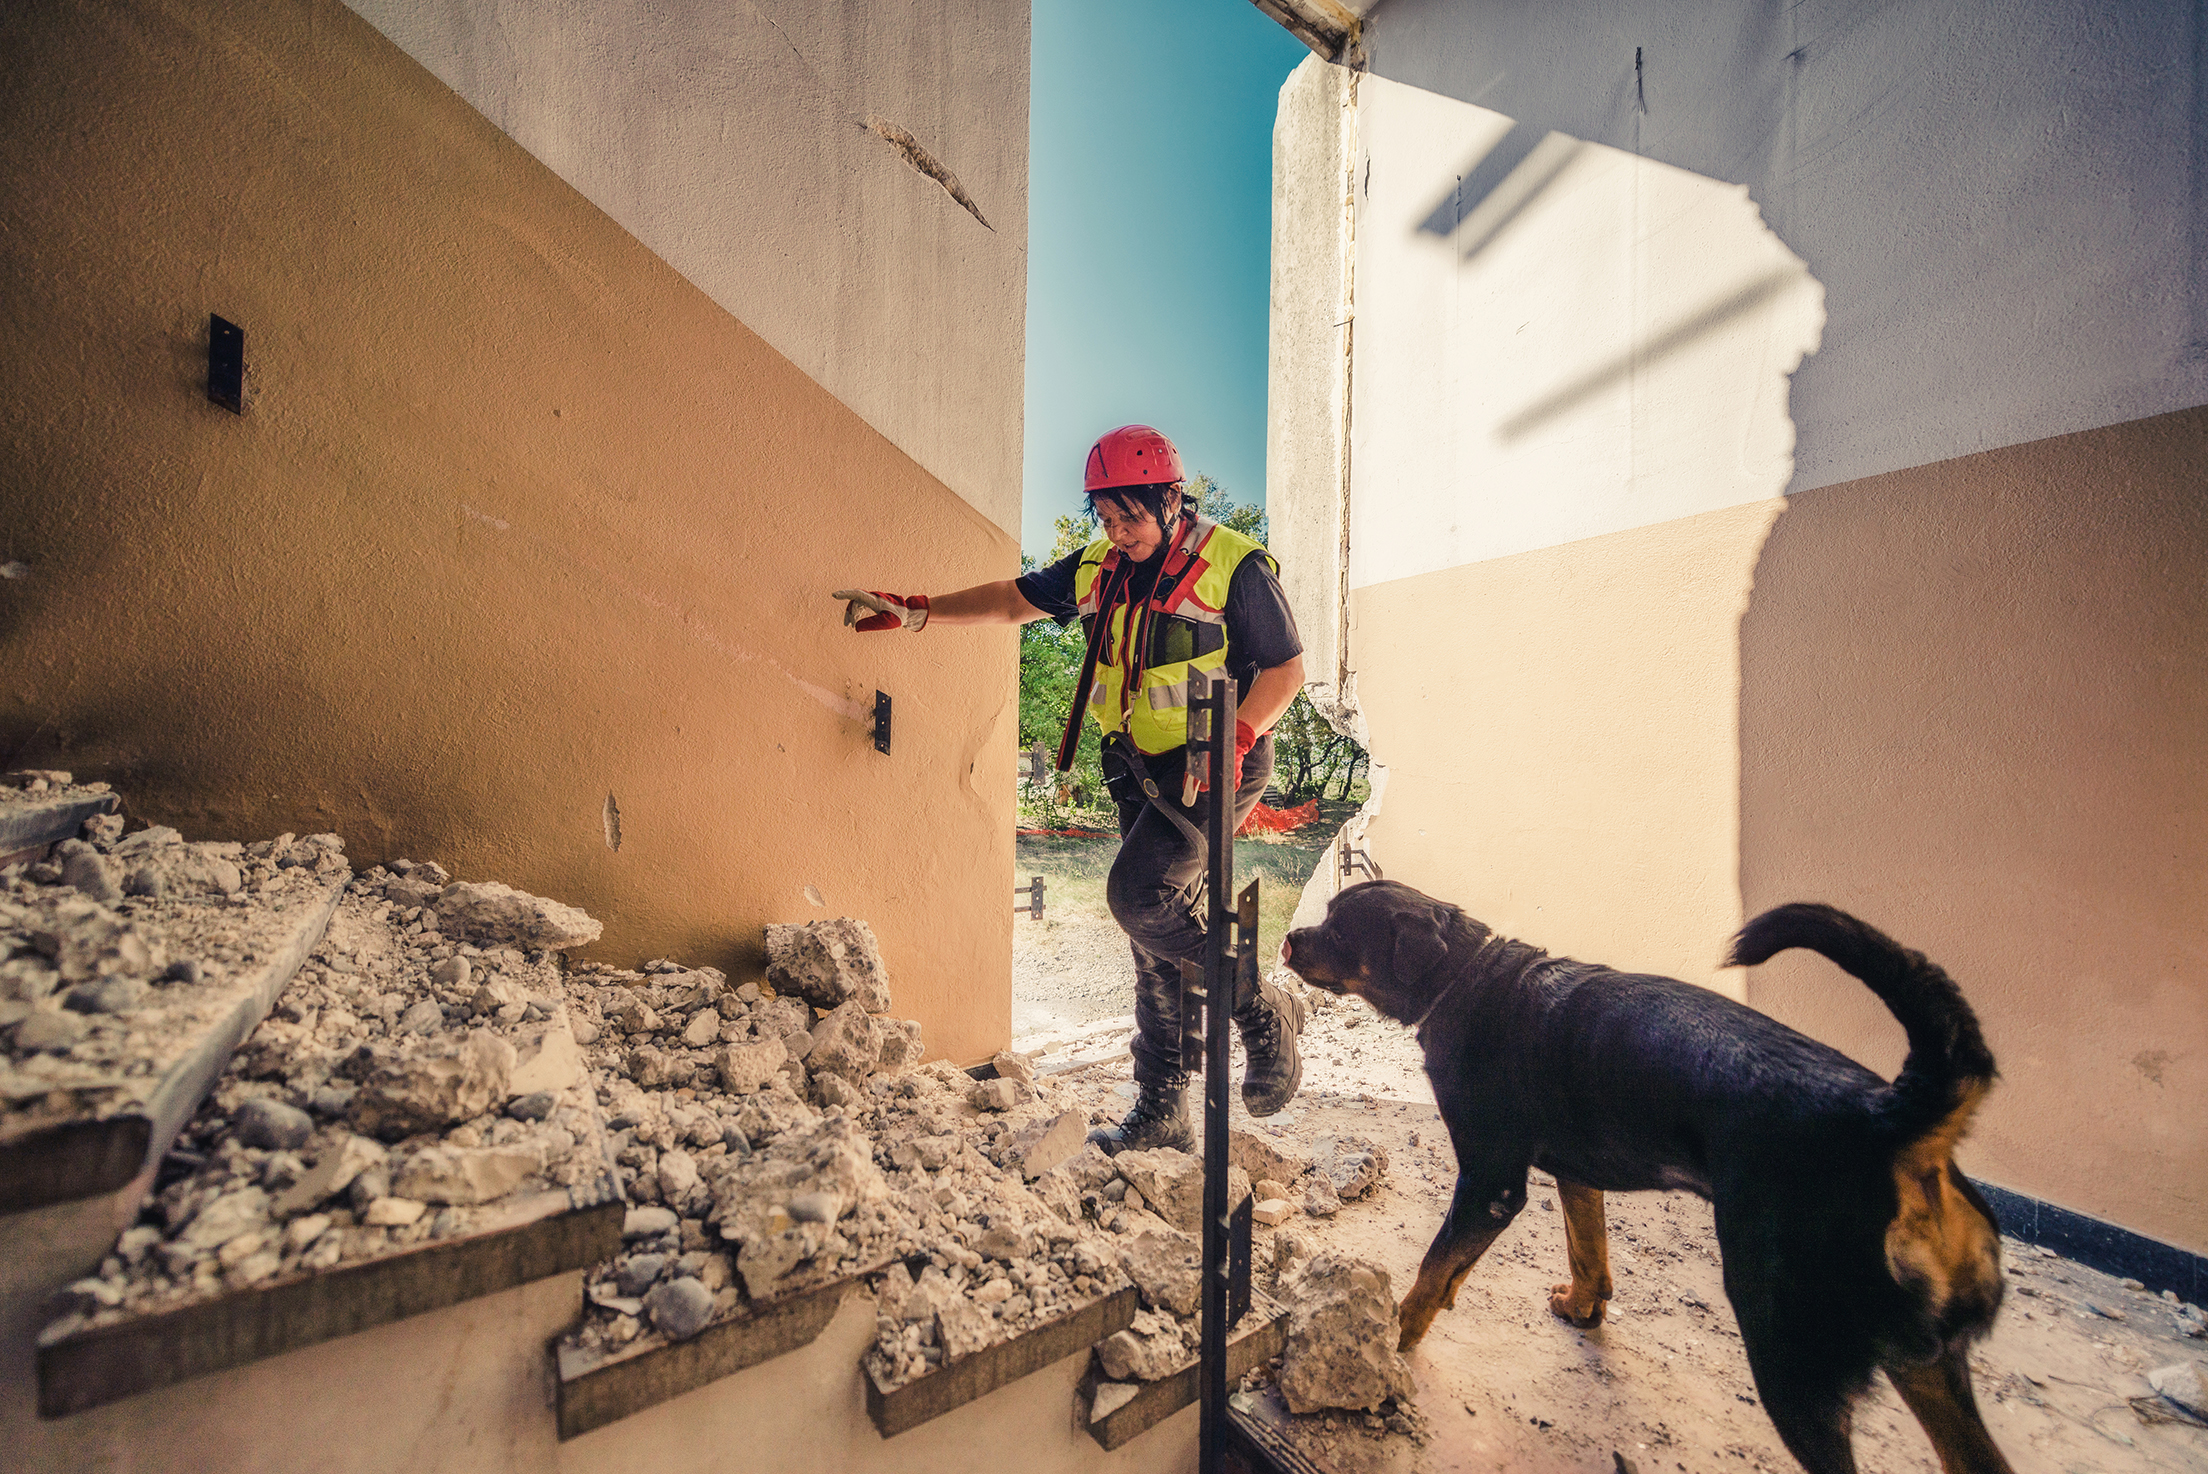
{"type": "Point", "coordinates": [1245, 738]}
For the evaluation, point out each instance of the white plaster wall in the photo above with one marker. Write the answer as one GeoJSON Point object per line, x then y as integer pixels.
{"type": "Point", "coordinates": [1308, 354]}
{"type": "Point", "coordinates": [1554, 339]}
{"type": "Point", "coordinates": [2006, 203]}
{"type": "Point", "coordinates": [732, 139]}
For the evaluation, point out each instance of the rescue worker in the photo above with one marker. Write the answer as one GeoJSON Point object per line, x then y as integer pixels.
{"type": "Point", "coordinates": [1161, 592]}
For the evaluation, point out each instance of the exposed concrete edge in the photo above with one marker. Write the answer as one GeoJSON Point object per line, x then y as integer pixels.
{"type": "Point", "coordinates": [1260, 1337]}
{"type": "Point", "coordinates": [1329, 28]}
{"type": "Point", "coordinates": [609, 1391]}
{"type": "Point", "coordinates": [27, 830]}
{"type": "Point", "coordinates": [948, 1388]}
{"type": "Point", "coordinates": [88, 1156]}
{"type": "Point", "coordinates": [108, 1363]}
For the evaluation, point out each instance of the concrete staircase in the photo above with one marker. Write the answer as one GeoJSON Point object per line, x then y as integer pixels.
{"type": "Point", "coordinates": [442, 1357]}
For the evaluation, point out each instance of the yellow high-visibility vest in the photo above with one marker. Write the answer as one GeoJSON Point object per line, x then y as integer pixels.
{"type": "Point", "coordinates": [1181, 627]}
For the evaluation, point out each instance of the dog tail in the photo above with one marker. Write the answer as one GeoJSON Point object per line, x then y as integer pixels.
{"type": "Point", "coordinates": [1949, 1068]}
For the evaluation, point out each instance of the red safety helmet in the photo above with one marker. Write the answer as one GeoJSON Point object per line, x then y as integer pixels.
{"type": "Point", "coordinates": [1132, 455]}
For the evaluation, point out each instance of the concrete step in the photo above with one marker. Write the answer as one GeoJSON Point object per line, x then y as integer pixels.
{"type": "Point", "coordinates": [554, 1234]}
{"type": "Point", "coordinates": [596, 1391]}
{"type": "Point", "coordinates": [98, 1121]}
{"type": "Point", "coordinates": [1122, 1417]}
{"type": "Point", "coordinates": [32, 822]}
{"type": "Point", "coordinates": [953, 1385]}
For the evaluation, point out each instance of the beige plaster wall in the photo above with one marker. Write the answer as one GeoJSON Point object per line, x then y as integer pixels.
{"type": "Point", "coordinates": [463, 1390]}
{"type": "Point", "coordinates": [1565, 764]}
{"type": "Point", "coordinates": [1975, 712]}
{"type": "Point", "coordinates": [516, 518]}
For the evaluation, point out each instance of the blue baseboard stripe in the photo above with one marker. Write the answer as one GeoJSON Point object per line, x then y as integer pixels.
{"type": "Point", "coordinates": [2099, 1244]}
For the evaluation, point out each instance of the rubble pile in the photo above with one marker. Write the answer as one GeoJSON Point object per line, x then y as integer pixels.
{"type": "Point", "coordinates": [735, 1114]}
{"type": "Point", "coordinates": [999, 1185]}
{"type": "Point", "coordinates": [418, 1079]}
{"type": "Point", "coordinates": [783, 1140]}
{"type": "Point", "coordinates": [434, 1070]}
{"type": "Point", "coordinates": [118, 953]}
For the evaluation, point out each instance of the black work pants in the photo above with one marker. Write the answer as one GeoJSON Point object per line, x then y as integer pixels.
{"type": "Point", "coordinates": [1152, 893]}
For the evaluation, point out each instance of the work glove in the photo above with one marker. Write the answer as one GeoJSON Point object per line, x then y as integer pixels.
{"type": "Point", "coordinates": [889, 611]}
{"type": "Point", "coordinates": [1244, 740]}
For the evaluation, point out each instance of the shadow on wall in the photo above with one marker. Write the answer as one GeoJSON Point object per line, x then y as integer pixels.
{"type": "Point", "coordinates": [1572, 409]}
{"type": "Point", "coordinates": [1972, 703]}
{"type": "Point", "coordinates": [1935, 166]}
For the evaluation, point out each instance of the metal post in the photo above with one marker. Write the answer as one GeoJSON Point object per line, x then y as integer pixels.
{"type": "Point", "coordinates": [1216, 751]}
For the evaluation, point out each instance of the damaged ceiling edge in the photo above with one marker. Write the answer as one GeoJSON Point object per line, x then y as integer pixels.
{"type": "Point", "coordinates": [1326, 26]}
{"type": "Point", "coordinates": [926, 163]}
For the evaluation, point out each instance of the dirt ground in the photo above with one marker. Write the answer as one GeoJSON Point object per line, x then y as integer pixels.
{"type": "Point", "coordinates": [1663, 1386]}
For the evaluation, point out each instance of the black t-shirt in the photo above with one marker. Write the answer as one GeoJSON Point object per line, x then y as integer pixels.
{"type": "Point", "coordinates": [1261, 633]}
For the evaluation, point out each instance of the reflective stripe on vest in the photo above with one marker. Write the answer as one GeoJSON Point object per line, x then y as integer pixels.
{"type": "Point", "coordinates": [1191, 592]}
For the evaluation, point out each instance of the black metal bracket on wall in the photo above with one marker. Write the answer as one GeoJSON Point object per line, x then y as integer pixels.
{"type": "Point", "coordinates": [226, 364]}
{"type": "Point", "coordinates": [1355, 860]}
{"type": "Point", "coordinates": [881, 722]}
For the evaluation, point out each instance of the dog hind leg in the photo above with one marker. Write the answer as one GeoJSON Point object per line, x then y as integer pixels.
{"type": "Point", "coordinates": [1482, 1208]}
{"type": "Point", "coordinates": [1941, 1398]}
{"type": "Point", "coordinates": [1587, 1244]}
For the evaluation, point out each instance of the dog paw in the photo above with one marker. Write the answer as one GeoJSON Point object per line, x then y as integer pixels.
{"type": "Point", "coordinates": [1580, 1312]}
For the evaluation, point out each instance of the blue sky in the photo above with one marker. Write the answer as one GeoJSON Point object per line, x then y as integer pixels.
{"type": "Point", "coordinates": [1149, 237]}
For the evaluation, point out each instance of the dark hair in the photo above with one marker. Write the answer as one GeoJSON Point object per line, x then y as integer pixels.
{"type": "Point", "coordinates": [1150, 497]}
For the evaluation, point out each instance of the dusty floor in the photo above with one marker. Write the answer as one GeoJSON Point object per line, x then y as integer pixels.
{"type": "Point", "coordinates": [1504, 1385]}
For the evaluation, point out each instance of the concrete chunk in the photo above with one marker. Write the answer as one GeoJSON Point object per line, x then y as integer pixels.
{"type": "Point", "coordinates": [1342, 1332]}
{"type": "Point", "coordinates": [828, 963]}
{"type": "Point", "coordinates": [331, 1175]}
{"type": "Point", "coordinates": [434, 1087]}
{"type": "Point", "coordinates": [465, 1175]}
{"type": "Point", "coordinates": [1041, 1145]}
{"type": "Point", "coordinates": [486, 911]}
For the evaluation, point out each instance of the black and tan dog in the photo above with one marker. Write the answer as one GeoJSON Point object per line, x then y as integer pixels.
{"type": "Point", "coordinates": [1850, 1240]}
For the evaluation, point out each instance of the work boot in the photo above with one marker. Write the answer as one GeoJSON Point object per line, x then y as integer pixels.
{"type": "Point", "coordinates": [1160, 1118]}
{"type": "Point", "coordinates": [1273, 1067]}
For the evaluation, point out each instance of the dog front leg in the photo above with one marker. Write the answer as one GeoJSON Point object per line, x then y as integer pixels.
{"type": "Point", "coordinates": [1940, 1396]}
{"type": "Point", "coordinates": [1478, 1214]}
{"type": "Point", "coordinates": [1587, 1244]}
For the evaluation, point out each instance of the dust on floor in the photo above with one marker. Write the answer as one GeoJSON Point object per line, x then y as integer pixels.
{"type": "Point", "coordinates": [1505, 1385]}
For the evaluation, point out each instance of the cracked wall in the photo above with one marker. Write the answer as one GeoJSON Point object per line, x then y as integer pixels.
{"type": "Point", "coordinates": [850, 181]}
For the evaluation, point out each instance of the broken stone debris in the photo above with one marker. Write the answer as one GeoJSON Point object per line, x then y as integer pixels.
{"type": "Point", "coordinates": [2181, 1383]}
{"type": "Point", "coordinates": [367, 1114]}
{"type": "Point", "coordinates": [488, 912]}
{"type": "Point", "coordinates": [1342, 1331]}
{"type": "Point", "coordinates": [828, 963]}
{"type": "Point", "coordinates": [786, 1144]}
{"type": "Point", "coordinates": [742, 1117]}
{"type": "Point", "coordinates": [1353, 1165]}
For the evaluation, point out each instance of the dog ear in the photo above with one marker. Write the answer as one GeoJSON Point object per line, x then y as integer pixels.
{"type": "Point", "coordinates": [1419, 944]}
